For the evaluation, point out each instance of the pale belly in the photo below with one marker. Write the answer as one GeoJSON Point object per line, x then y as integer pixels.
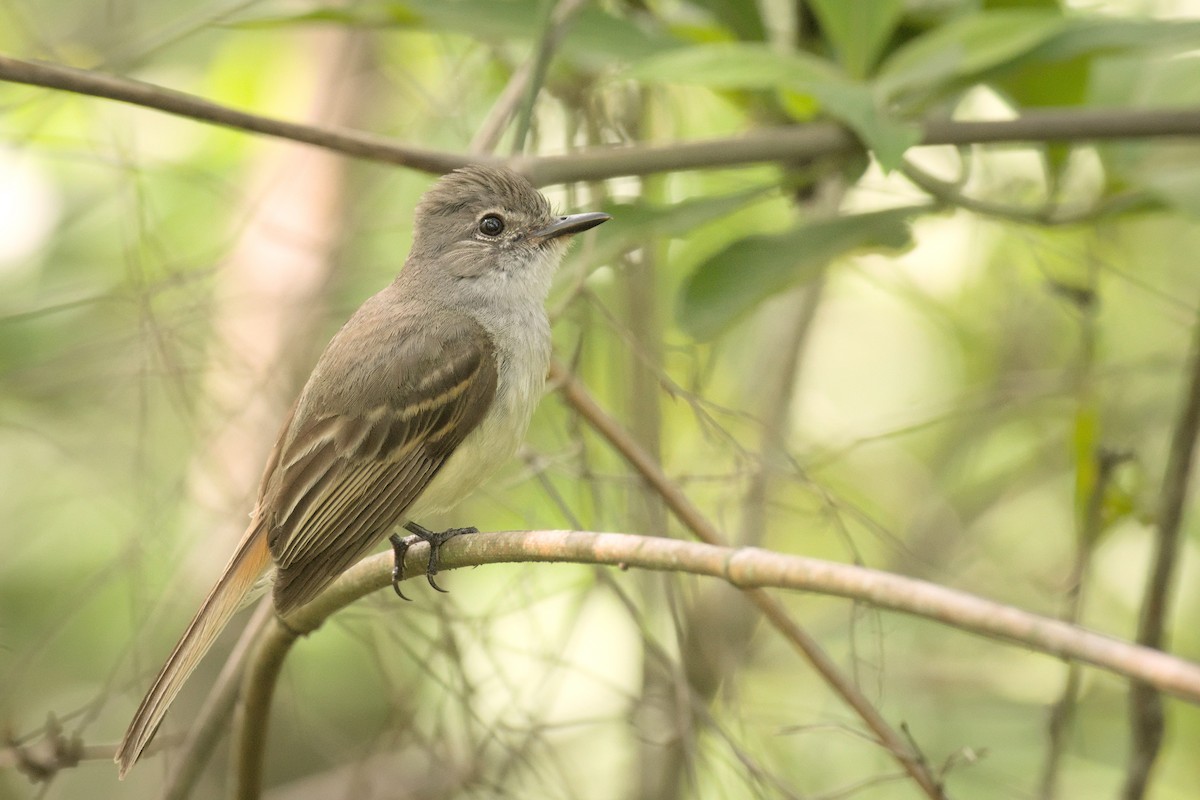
{"type": "Point", "coordinates": [486, 448]}
{"type": "Point", "coordinates": [481, 453]}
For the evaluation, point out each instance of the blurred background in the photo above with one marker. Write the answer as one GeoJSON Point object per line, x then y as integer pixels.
{"type": "Point", "coordinates": [963, 364]}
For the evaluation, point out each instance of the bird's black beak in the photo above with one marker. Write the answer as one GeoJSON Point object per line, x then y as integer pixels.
{"type": "Point", "coordinates": [574, 223]}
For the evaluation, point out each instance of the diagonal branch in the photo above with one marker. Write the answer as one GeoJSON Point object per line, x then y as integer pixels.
{"type": "Point", "coordinates": [347, 142]}
{"type": "Point", "coordinates": [683, 509]}
{"type": "Point", "coordinates": [1145, 704]}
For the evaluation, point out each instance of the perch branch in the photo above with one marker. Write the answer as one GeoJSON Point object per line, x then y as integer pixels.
{"type": "Point", "coordinates": [745, 568]}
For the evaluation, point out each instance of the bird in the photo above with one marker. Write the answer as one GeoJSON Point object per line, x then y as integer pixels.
{"type": "Point", "coordinates": [424, 392]}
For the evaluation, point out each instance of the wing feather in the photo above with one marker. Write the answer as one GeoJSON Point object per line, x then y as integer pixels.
{"type": "Point", "coordinates": [343, 478]}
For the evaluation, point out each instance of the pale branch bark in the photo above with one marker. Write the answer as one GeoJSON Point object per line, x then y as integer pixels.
{"type": "Point", "coordinates": [783, 144]}
{"type": "Point", "coordinates": [682, 507]}
{"type": "Point", "coordinates": [1145, 705]}
{"type": "Point", "coordinates": [250, 721]}
{"type": "Point", "coordinates": [745, 568]}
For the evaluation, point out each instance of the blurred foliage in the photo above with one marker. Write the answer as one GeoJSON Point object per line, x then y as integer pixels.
{"type": "Point", "coordinates": [963, 376]}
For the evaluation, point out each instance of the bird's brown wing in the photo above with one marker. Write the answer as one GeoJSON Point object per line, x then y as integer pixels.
{"type": "Point", "coordinates": [340, 481]}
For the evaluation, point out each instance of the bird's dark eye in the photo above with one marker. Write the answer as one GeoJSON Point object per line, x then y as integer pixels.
{"type": "Point", "coordinates": [491, 225]}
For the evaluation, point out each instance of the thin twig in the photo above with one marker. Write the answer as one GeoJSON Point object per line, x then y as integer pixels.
{"type": "Point", "coordinates": [1048, 215]}
{"type": "Point", "coordinates": [1062, 713]}
{"type": "Point", "coordinates": [1145, 703]}
{"type": "Point", "coordinates": [558, 21]}
{"type": "Point", "coordinates": [755, 568]}
{"type": "Point", "coordinates": [487, 136]}
{"type": "Point", "coordinates": [1095, 466]}
{"type": "Point", "coordinates": [720, 624]}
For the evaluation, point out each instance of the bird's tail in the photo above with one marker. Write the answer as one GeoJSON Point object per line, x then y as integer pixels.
{"type": "Point", "coordinates": [235, 584]}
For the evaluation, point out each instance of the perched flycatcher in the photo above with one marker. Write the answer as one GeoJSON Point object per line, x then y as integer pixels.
{"type": "Point", "coordinates": [419, 397]}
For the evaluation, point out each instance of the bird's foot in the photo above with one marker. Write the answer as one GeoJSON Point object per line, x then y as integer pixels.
{"type": "Point", "coordinates": [418, 533]}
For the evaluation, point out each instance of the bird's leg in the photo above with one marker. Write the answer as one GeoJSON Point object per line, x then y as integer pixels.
{"type": "Point", "coordinates": [419, 533]}
{"type": "Point", "coordinates": [400, 549]}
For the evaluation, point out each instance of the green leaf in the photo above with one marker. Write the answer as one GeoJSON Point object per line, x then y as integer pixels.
{"type": "Point", "coordinates": [1051, 53]}
{"type": "Point", "coordinates": [1038, 83]}
{"type": "Point", "coordinates": [1085, 444]}
{"type": "Point", "coordinates": [1090, 36]}
{"type": "Point", "coordinates": [858, 31]}
{"type": "Point", "coordinates": [800, 79]}
{"type": "Point", "coordinates": [739, 17]}
{"type": "Point", "coordinates": [1175, 184]}
{"type": "Point", "coordinates": [1169, 171]}
{"type": "Point", "coordinates": [595, 38]}
{"type": "Point", "coordinates": [1027, 4]}
{"type": "Point", "coordinates": [1058, 72]}
{"type": "Point", "coordinates": [965, 49]}
{"type": "Point", "coordinates": [736, 65]}
{"type": "Point", "coordinates": [859, 108]}
{"type": "Point", "coordinates": [733, 282]}
{"type": "Point", "coordinates": [640, 222]}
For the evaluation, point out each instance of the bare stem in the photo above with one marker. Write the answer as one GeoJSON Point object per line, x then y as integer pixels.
{"type": "Point", "coordinates": [683, 509]}
{"type": "Point", "coordinates": [1062, 713]}
{"type": "Point", "coordinates": [1146, 708]}
{"type": "Point", "coordinates": [788, 144]}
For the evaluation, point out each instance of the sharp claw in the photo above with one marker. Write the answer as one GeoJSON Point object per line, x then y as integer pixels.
{"type": "Point", "coordinates": [399, 549]}
{"type": "Point", "coordinates": [435, 540]}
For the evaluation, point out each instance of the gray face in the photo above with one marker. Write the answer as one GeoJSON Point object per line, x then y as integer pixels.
{"type": "Point", "coordinates": [479, 218]}
{"type": "Point", "coordinates": [486, 242]}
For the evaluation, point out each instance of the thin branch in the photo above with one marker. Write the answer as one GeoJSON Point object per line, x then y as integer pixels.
{"type": "Point", "coordinates": [745, 568]}
{"type": "Point", "coordinates": [1068, 125]}
{"type": "Point", "coordinates": [1146, 707]}
{"type": "Point", "coordinates": [147, 95]}
{"type": "Point", "coordinates": [558, 20]}
{"type": "Point", "coordinates": [720, 624]}
{"type": "Point", "coordinates": [1048, 215]}
{"type": "Point", "coordinates": [683, 509]}
{"type": "Point", "coordinates": [250, 722]}
{"type": "Point", "coordinates": [1062, 713]}
{"type": "Point", "coordinates": [778, 145]}
{"type": "Point", "coordinates": [821, 139]}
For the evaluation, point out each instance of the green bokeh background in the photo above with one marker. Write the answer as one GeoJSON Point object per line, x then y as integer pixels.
{"type": "Point", "coordinates": [951, 392]}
